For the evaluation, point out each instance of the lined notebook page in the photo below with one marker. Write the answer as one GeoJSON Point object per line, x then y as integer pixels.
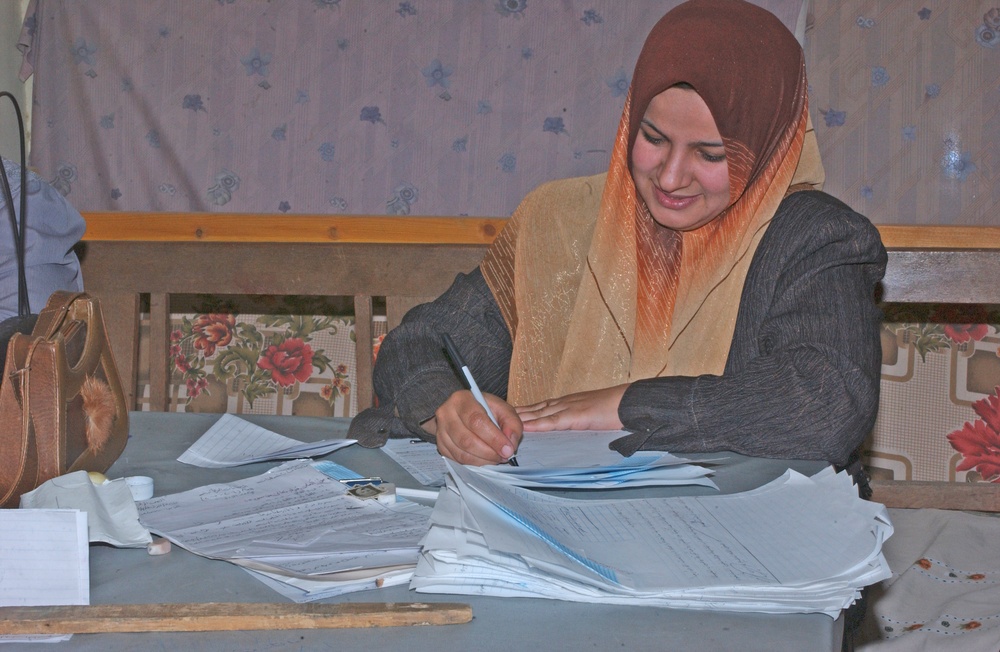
{"type": "Point", "coordinates": [44, 557]}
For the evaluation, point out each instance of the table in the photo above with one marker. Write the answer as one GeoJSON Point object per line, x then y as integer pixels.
{"type": "Point", "coordinates": [130, 576]}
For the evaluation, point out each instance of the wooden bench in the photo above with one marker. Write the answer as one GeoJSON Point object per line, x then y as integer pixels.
{"type": "Point", "coordinates": [409, 260]}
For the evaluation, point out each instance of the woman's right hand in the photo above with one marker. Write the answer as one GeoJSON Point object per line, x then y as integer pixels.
{"type": "Point", "coordinates": [465, 433]}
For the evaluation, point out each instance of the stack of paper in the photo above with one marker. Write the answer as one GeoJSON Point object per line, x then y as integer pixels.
{"type": "Point", "coordinates": [44, 557]}
{"type": "Point", "coordinates": [636, 471]}
{"type": "Point", "coordinates": [561, 460]}
{"type": "Point", "coordinates": [796, 545]}
{"type": "Point", "coordinates": [44, 561]}
{"type": "Point", "coordinates": [297, 529]}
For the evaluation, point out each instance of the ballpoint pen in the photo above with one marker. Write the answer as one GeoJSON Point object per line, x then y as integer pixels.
{"type": "Point", "coordinates": [456, 357]}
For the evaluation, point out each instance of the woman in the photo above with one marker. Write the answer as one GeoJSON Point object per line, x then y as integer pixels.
{"type": "Point", "coordinates": [701, 294]}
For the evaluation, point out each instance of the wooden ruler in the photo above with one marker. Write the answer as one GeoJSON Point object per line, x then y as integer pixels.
{"type": "Point", "coordinates": [225, 616]}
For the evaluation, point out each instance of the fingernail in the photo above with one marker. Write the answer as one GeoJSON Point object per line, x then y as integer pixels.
{"type": "Point", "coordinates": [506, 451]}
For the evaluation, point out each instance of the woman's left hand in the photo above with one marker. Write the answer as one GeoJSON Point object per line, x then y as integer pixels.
{"type": "Point", "coordinates": [592, 410]}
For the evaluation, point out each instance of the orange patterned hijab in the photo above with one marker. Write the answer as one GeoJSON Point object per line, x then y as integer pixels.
{"type": "Point", "coordinates": [596, 293]}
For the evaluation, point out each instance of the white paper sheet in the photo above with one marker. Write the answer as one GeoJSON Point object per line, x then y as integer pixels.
{"type": "Point", "coordinates": [307, 590]}
{"type": "Point", "coordinates": [44, 557]}
{"type": "Point", "coordinates": [295, 522]}
{"type": "Point", "coordinates": [571, 459]}
{"type": "Point", "coordinates": [232, 441]}
{"type": "Point", "coordinates": [419, 458]}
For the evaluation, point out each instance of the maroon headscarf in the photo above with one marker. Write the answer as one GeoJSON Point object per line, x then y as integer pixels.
{"type": "Point", "coordinates": [754, 85]}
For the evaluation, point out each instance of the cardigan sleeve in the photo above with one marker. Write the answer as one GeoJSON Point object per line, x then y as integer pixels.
{"type": "Point", "coordinates": [802, 377]}
{"type": "Point", "coordinates": [413, 375]}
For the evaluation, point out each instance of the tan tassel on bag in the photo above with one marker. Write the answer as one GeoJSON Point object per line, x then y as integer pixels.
{"type": "Point", "coordinates": [98, 411]}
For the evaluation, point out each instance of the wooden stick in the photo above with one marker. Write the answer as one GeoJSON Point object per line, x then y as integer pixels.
{"type": "Point", "coordinates": [911, 494]}
{"type": "Point", "coordinates": [225, 616]}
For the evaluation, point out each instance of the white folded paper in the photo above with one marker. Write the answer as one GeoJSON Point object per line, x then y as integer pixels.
{"type": "Point", "coordinates": [111, 512]}
{"type": "Point", "coordinates": [232, 441]}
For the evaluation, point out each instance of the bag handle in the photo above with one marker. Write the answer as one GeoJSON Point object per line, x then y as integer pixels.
{"type": "Point", "coordinates": [86, 310]}
{"type": "Point", "coordinates": [19, 230]}
{"type": "Point", "coordinates": [77, 306]}
{"type": "Point", "coordinates": [52, 317]}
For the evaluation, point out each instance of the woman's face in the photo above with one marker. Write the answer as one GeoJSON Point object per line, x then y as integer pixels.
{"type": "Point", "coordinates": [679, 163]}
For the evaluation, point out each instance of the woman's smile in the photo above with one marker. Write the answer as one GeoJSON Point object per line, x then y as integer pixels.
{"type": "Point", "coordinates": [674, 201]}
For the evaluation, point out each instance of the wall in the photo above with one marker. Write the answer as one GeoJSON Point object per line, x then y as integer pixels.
{"type": "Point", "coordinates": [11, 14]}
{"type": "Point", "coordinates": [331, 106]}
{"type": "Point", "coordinates": [905, 97]}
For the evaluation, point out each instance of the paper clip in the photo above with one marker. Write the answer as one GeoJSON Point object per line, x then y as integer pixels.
{"type": "Point", "coordinates": [353, 482]}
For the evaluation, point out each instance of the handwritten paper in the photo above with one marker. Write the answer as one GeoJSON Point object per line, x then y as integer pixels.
{"type": "Point", "coordinates": [44, 557]}
{"type": "Point", "coordinates": [297, 525]}
{"type": "Point", "coordinates": [233, 441]}
{"type": "Point", "coordinates": [419, 458]}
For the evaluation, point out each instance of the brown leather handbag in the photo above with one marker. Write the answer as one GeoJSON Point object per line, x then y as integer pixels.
{"type": "Point", "coordinates": [62, 404]}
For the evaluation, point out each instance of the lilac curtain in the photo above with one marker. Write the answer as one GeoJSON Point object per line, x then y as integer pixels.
{"type": "Point", "coordinates": [448, 107]}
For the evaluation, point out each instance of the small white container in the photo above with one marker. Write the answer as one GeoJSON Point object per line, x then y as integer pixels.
{"type": "Point", "coordinates": [141, 486]}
